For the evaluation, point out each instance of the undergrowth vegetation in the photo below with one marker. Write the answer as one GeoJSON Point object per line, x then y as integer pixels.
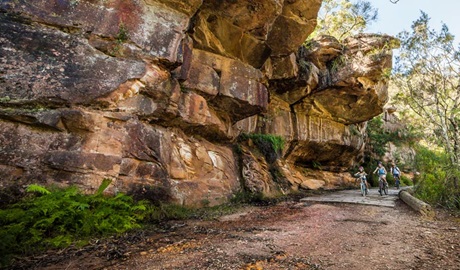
{"type": "Point", "coordinates": [433, 184]}
{"type": "Point", "coordinates": [53, 218]}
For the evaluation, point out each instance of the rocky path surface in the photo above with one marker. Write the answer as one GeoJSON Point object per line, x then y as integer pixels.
{"type": "Point", "coordinates": [289, 235]}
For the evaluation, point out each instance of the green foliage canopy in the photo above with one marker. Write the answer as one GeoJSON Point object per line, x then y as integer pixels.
{"type": "Point", "coordinates": [427, 75]}
{"type": "Point", "coordinates": [342, 18]}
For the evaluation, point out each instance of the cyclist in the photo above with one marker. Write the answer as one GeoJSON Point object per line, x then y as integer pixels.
{"type": "Point", "coordinates": [361, 174]}
{"type": "Point", "coordinates": [382, 172]}
{"type": "Point", "coordinates": [396, 174]}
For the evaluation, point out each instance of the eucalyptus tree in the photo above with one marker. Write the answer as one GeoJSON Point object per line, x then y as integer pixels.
{"type": "Point", "coordinates": [427, 73]}
{"type": "Point", "coordinates": [343, 18]}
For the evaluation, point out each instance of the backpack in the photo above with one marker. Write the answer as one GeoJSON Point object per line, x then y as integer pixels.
{"type": "Point", "coordinates": [396, 170]}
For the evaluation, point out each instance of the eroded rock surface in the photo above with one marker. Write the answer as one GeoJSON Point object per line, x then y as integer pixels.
{"type": "Point", "coordinates": [154, 95]}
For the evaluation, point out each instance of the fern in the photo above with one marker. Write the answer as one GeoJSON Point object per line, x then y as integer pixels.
{"type": "Point", "coordinates": [105, 183]}
{"type": "Point", "coordinates": [59, 217]}
{"type": "Point", "coordinates": [38, 189]}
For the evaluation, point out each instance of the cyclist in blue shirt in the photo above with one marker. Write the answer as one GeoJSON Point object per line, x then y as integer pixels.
{"type": "Point", "coordinates": [382, 172]}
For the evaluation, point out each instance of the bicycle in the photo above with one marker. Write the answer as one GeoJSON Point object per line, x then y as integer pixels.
{"type": "Point", "coordinates": [397, 181]}
{"type": "Point", "coordinates": [363, 186]}
{"type": "Point", "coordinates": [383, 185]}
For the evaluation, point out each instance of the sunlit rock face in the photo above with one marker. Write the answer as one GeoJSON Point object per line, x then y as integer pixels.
{"type": "Point", "coordinates": [253, 31]}
{"type": "Point", "coordinates": [154, 94]}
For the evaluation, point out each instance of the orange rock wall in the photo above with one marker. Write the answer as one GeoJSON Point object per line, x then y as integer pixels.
{"type": "Point", "coordinates": [154, 94]}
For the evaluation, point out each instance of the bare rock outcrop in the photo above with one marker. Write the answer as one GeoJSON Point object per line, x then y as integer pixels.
{"type": "Point", "coordinates": [155, 93]}
{"type": "Point", "coordinates": [322, 111]}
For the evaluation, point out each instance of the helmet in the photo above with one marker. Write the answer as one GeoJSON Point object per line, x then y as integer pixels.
{"type": "Point", "coordinates": [361, 168]}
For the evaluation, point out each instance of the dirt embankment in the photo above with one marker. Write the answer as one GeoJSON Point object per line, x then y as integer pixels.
{"type": "Point", "coordinates": [285, 236]}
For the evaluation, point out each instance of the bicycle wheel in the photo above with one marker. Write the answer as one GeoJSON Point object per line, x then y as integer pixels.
{"type": "Point", "coordinates": [385, 188]}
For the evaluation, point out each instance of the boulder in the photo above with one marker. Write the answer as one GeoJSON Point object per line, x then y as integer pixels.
{"type": "Point", "coordinates": [296, 22]}
{"type": "Point", "coordinates": [255, 173]}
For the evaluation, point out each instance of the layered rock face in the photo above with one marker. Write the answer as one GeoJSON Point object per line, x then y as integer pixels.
{"type": "Point", "coordinates": [154, 94]}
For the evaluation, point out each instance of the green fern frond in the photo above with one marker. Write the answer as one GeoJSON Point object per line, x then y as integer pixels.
{"type": "Point", "coordinates": [37, 188]}
{"type": "Point", "coordinates": [139, 208]}
{"type": "Point", "coordinates": [105, 183]}
{"type": "Point", "coordinates": [60, 241]}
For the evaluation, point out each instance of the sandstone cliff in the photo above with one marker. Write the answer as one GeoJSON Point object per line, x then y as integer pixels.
{"type": "Point", "coordinates": [155, 93]}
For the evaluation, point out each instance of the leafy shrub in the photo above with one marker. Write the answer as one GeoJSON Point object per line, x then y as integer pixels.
{"type": "Point", "coordinates": [406, 181]}
{"type": "Point", "coordinates": [435, 188]}
{"type": "Point", "coordinates": [434, 184]}
{"type": "Point", "coordinates": [390, 179]}
{"type": "Point", "coordinates": [57, 217]}
{"type": "Point", "coordinates": [277, 142]}
{"type": "Point", "coordinates": [430, 189]}
{"type": "Point", "coordinates": [377, 138]}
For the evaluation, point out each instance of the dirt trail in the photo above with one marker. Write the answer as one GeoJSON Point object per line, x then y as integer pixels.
{"type": "Point", "coordinates": [290, 235]}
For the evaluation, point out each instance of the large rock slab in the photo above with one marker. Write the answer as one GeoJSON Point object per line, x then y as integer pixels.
{"type": "Point", "coordinates": [325, 144]}
{"type": "Point", "coordinates": [292, 27]}
{"type": "Point", "coordinates": [121, 148]}
{"type": "Point", "coordinates": [278, 120]}
{"type": "Point", "coordinates": [148, 25]}
{"type": "Point", "coordinates": [354, 86]}
{"type": "Point", "coordinates": [58, 69]}
{"type": "Point", "coordinates": [248, 23]}
{"type": "Point", "coordinates": [153, 94]}
{"type": "Point", "coordinates": [232, 87]}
